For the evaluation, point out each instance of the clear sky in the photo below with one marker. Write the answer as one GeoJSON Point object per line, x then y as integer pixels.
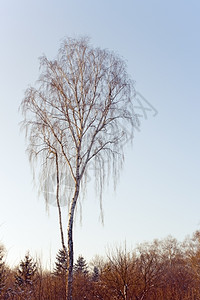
{"type": "Point", "coordinates": [158, 192]}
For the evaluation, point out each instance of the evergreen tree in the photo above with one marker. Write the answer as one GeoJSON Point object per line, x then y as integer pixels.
{"type": "Point", "coordinates": [26, 276]}
{"type": "Point", "coordinates": [81, 266]}
{"type": "Point", "coordinates": [82, 287]}
{"type": "Point", "coordinates": [95, 274]}
{"type": "Point", "coordinates": [61, 263]}
{"type": "Point", "coordinates": [60, 271]}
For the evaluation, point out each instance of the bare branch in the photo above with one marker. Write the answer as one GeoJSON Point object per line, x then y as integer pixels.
{"type": "Point", "coordinates": [80, 112]}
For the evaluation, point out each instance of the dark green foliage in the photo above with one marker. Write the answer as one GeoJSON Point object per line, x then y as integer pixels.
{"type": "Point", "coordinates": [60, 272]}
{"type": "Point", "coordinates": [95, 274]}
{"type": "Point", "coordinates": [80, 266]}
{"type": "Point", "coordinates": [26, 276]}
{"type": "Point", "coordinates": [61, 263]}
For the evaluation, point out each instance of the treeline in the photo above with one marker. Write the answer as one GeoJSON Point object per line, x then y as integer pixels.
{"type": "Point", "coordinates": [161, 270]}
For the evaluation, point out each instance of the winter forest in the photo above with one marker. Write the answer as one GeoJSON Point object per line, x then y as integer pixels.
{"type": "Point", "coordinates": [163, 269]}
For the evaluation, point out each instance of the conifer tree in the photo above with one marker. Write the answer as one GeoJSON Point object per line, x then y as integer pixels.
{"type": "Point", "coordinates": [80, 266]}
{"type": "Point", "coordinates": [61, 263]}
{"type": "Point", "coordinates": [26, 276]}
{"type": "Point", "coordinates": [60, 271]}
{"type": "Point", "coordinates": [95, 274]}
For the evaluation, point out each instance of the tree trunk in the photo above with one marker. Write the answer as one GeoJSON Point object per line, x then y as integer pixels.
{"type": "Point", "coordinates": [70, 243]}
{"type": "Point", "coordinates": [58, 204]}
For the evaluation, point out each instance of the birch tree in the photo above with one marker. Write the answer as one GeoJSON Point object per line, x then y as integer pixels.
{"type": "Point", "coordinates": [79, 112]}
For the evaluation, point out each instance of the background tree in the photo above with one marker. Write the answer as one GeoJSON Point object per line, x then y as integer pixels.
{"type": "Point", "coordinates": [80, 112]}
{"type": "Point", "coordinates": [82, 284]}
{"type": "Point", "coordinates": [60, 271]}
{"type": "Point", "coordinates": [192, 257]}
{"type": "Point", "coordinates": [118, 276]}
{"type": "Point", "coordinates": [149, 269]}
{"type": "Point", "coordinates": [81, 266]}
{"type": "Point", "coordinates": [26, 277]}
{"type": "Point", "coordinates": [95, 274]}
{"type": "Point", "coordinates": [160, 270]}
{"type": "Point", "coordinates": [61, 263]}
{"type": "Point", "coordinates": [2, 270]}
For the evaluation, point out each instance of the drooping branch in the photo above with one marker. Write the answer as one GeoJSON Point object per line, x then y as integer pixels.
{"type": "Point", "coordinates": [81, 111]}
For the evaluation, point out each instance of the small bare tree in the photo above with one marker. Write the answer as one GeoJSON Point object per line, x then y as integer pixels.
{"type": "Point", "coordinates": [80, 111]}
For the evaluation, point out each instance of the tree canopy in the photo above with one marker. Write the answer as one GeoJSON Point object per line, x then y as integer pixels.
{"type": "Point", "coordinates": [80, 112]}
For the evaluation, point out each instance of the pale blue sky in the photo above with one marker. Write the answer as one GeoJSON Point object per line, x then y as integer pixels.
{"type": "Point", "coordinates": [158, 193]}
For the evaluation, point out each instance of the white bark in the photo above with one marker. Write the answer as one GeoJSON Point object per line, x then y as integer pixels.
{"type": "Point", "coordinates": [84, 97]}
{"type": "Point", "coordinates": [70, 242]}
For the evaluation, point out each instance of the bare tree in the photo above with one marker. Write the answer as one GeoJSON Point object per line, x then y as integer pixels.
{"type": "Point", "coordinates": [80, 111]}
{"type": "Point", "coordinates": [119, 273]}
{"type": "Point", "coordinates": [2, 269]}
